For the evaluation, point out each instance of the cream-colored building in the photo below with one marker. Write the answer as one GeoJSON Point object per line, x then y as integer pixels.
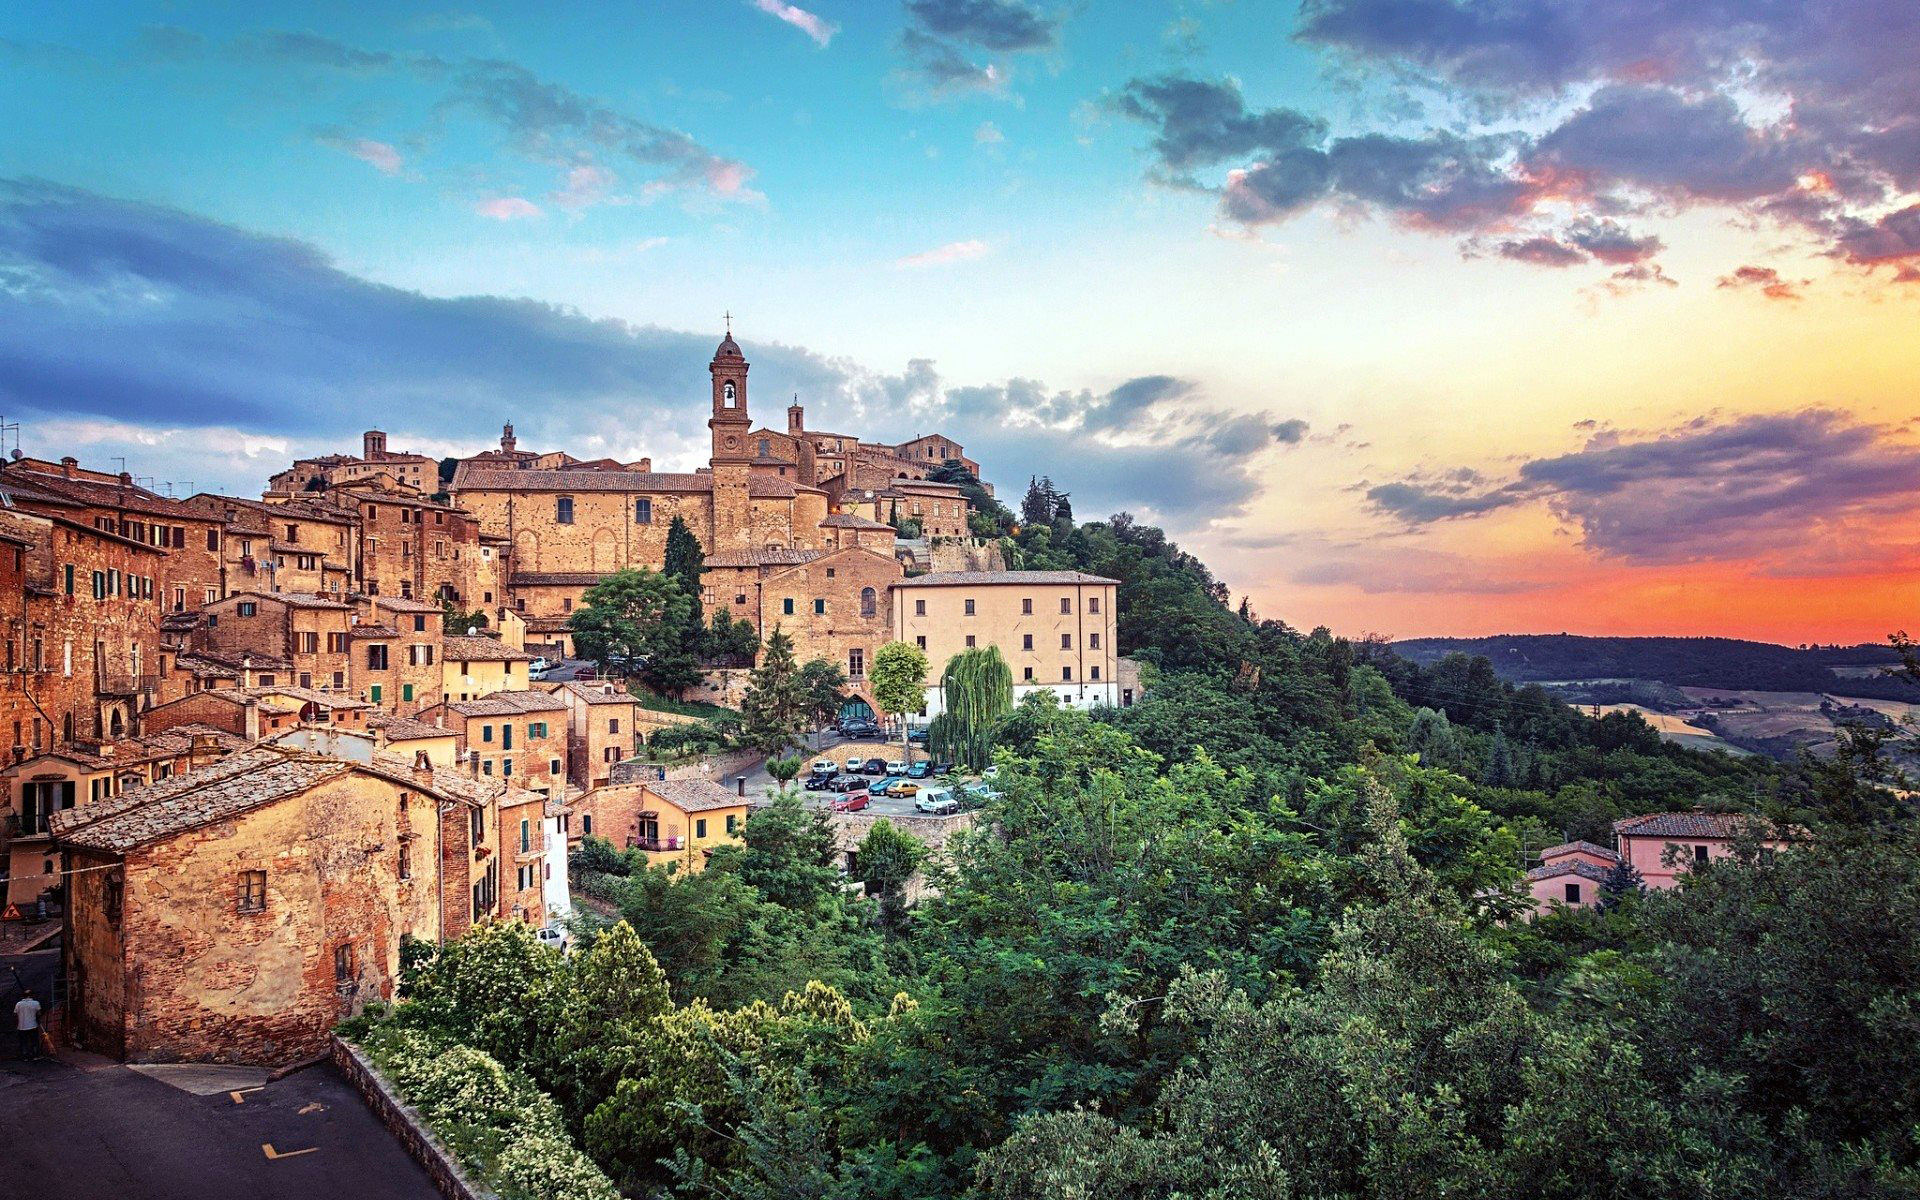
{"type": "Point", "coordinates": [1054, 628]}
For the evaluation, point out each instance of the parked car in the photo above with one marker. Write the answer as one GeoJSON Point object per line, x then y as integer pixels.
{"type": "Point", "coordinates": [930, 799]}
{"type": "Point", "coordinates": [850, 802]}
{"type": "Point", "coordinates": [992, 772]}
{"type": "Point", "coordinates": [859, 729]}
{"type": "Point", "coordinates": [886, 787]}
{"type": "Point", "coordinates": [818, 783]}
{"type": "Point", "coordinates": [973, 795]}
{"type": "Point", "coordinates": [823, 766]}
{"type": "Point", "coordinates": [896, 767]}
{"type": "Point", "coordinates": [846, 783]}
{"type": "Point", "coordinates": [553, 935]}
{"type": "Point", "coordinates": [874, 766]}
{"type": "Point", "coordinates": [920, 770]}
{"type": "Point", "coordinates": [538, 668]}
{"type": "Point", "coordinates": [943, 768]}
{"type": "Point", "coordinates": [917, 736]}
{"type": "Point", "coordinates": [903, 786]}
{"type": "Point", "coordinates": [854, 766]}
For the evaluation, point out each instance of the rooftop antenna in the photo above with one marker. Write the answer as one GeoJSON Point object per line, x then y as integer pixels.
{"type": "Point", "coordinates": [122, 460]}
{"type": "Point", "coordinates": [10, 427]}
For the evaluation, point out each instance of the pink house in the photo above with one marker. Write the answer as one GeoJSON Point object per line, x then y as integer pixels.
{"type": "Point", "coordinates": [1570, 873]}
{"type": "Point", "coordinates": [1697, 837]}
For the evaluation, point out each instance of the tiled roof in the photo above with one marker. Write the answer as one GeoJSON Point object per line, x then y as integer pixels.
{"type": "Point", "coordinates": [291, 599]}
{"type": "Point", "coordinates": [462, 647]}
{"type": "Point", "coordinates": [507, 704]}
{"type": "Point", "coordinates": [693, 795]}
{"type": "Point", "coordinates": [186, 801]}
{"type": "Point", "coordinates": [568, 479]}
{"type": "Point", "coordinates": [1577, 847]}
{"type": "Point", "coordinates": [969, 578]}
{"type": "Point", "coordinates": [338, 700]}
{"type": "Point", "coordinates": [557, 578]}
{"type": "Point", "coordinates": [168, 743]}
{"type": "Point", "coordinates": [1684, 825]}
{"type": "Point", "coordinates": [405, 729]}
{"type": "Point", "coordinates": [112, 495]}
{"type": "Point", "coordinates": [771, 557]}
{"type": "Point", "coordinates": [852, 521]}
{"type": "Point", "coordinates": [1569, 866]}
{"type": "Point", "coordinates": [598, 693]}
{"type": "Point", "coordinates": [365, 630]}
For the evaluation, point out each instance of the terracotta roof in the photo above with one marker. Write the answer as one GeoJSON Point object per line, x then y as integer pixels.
{"type": "Point", "coordinates": [191, 799]}
{"type": "Point", "coordinates": [462, 647]}
{"type": "Point", "coordinates": [291, 599]}
{"type": "Point", "coordinates": [968, 578]}
{"type": "Point", "coordinates": [400, 604]}
{"type": "Point", "coordinates": [693, 795]}
{"type": "Point", "coordinates": [568, 479]}
{"type": "Point", "coordinates": [406, 729]}
{"type": "Point", "coordinates": [766, 487]}
{"type": "Point", "coordinates": [369, 630]}
{"type": "Point", "coordinates": [1685, 825]}
{"type": "Point", "coordinates": [852, 521]}
{"type": "Point", "coordinates": [598, 693]}
{"type": "Point", "coordinates": [1569, 866]}
{"type": "Point", "coordinates": [338, 700]}
{"type": "Point", "coordinates": [774, 557]}
{"type": "Point", "coordinates": [557, 578]}
{"type": "Point", "coordinates": [168, 743]}
{"type": "Point", "coordinates": [1577, 847]}
{"type": "Point", "coordinates": [507, 704]}
{"type": "Point", "coordinates": [97, 494]}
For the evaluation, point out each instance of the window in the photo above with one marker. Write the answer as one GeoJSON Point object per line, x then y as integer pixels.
{"type": "Point", "coordinates": [819, 607]}
{"type": "Point", "coordinates": [1699, 854]}
{"type": "Point", "coordinates": [643, 511]}
{"type": "Point", "coordinates": [343, 963]}
{"type": "Point", "coordinates": [1093, 641]}
{"type": "Point", "coordinates": [486, 733]}
{"type": "Point", "coordinates": [869, 601]}
{"type": "Point", "coordinates": [526, 836]}
{"type": "Point", "coordinates": [1093, 604]}
{"type": "Point", "coordinates": [553, 766]}
{"type": "Point", "coordinates": [1573, 893]}
{"type": "Point", "coordinates": [1066, 674]}
{"type": "Point", "coordinates": [1066, 641]}
{"type": "Point", "coordinates": [919, 608]}
{"type": "Point", "coordinates": [739, 597]}
{"type": "Point", "coordinates": [969, 608]}
{"type": "Point", "coordinates": [920, 641]}
{"type": "Point", "coordinates": [786, 606]}
{"type": "Point", "coordinates": [1027, 674]}
{"type": "Point", "coordinates": [613, 724]}
{"type": "Point", "coordinates": [213, 539]}
{"type": "Point", "coordinates": [1026, 641]}
{"type": "Point", "coordinates": [406, 859]}
{"type": "Point", "coordinates": [377, 657]}
{"type": "Point", "coordinates": [373, 694]}
{"type": "Point", "coordinates": [67, 574]}
{"type": "Point", "coordinates": [477, 825]}
{"type": "Point", "coordinates": [700, 828]}
{"type": "Point", "coordinates": [1096, 672]}
{"type": "Point", "coordinates": [733, 823]}
{"type": "Point", "coordinates": [420, 625]}
{"type": "Point", "coordinates": [766, 448]}
{"type": "Point", "coordinates": [253, 892]}
{"type": "Point", "coordinates": [506, 766]}
{"type": "Point", "coordinates": [856, 664]}
{"type": "Point", "coordinates": [406, 691]}
{"type": "Point", "coordinates": [536, 729]}
{"type": "Point", "coordinates": [309, 643]}
{"type": "Point", "coordinates": [728, 395]}
{"type": "Point", "coordinates": [970, 642]}
{"type": "Point", "coordinates": [586, 823]}
{"type": "Point", "coordinates": [563, 510]}
{"type": "Point", "coordinates": [1026, 607]}
{"type": "Point", "coordinates": [1066, 604]}
{"type": "Point", "coordinates": [248, 608]}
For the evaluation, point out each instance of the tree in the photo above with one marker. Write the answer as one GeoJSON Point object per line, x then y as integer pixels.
{"type": "Point", "coordinates": [899, 680]}
{"type": "Point", "coordinates": [685, 561]}
{"type": "Point", "coordinates": [826, 687]}
{"type": "Point", "coordinates": [727, 642]}
{"type": "Point", "coordinates": [784, 770]}
{"type": "Point", "coordinates": [453, 619]}
{"type": "Point", "coordinates": [885, 862]}
{"type": "Point", "coordinates": [776, 706]}
{"type": "Point", "coordinates": [978, 687]}
{"type": "Point", "coordinates": [1621, 881]}
{"type": "Point", "coordinates": [638, 615]}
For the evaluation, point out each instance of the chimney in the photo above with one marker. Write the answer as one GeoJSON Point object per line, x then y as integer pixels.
{"type": "Point", "coordinates": [645, 465]}
{"type": "Point", "coordinates": [422, 765]}
{"type": "Point", "coordinates": [250, 718]}
{"type": "Point", "coordinates": [246, 670]}
{"type": "Point", "coordinates": [68, 465]}
{"type": "Point", "coordinates": [473, 763]}
{"type": "Point", "coordinates": [126, 478]}
{"type": "Point", "coordinates": [203, 749]}
{"type": "Point", "coordinates": [379, 738]}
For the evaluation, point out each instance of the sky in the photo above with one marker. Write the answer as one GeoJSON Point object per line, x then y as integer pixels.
{"type": "Point", "coordinates": [1410, 317]}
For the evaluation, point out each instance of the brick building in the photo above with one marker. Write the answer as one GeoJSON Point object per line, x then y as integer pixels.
{"type": "Point", "coordinates": [299, 545]}
{"type": "Point", "coordinates": [519, 736]}
{"type": "Point", "coordinates": [237, 912]}
{"type": "Point", "coordinates": [412, 547]}
{"type": "Point", "coordinates": [603, 727]}
{"type": "Point", "coordinates": [679, 822]}
{"type": "Point", "coordinates": [832, 603]}
{"type": "Point", "coordinates": [310, 634]}
{"type": "Point", "coordinates": [415, 472]}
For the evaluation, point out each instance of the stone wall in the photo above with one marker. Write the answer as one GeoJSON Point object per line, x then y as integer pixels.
{"type": "Point", "coordinates": [405, 1123]}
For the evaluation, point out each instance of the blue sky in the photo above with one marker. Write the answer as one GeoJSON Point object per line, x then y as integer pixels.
{"type": "Point", "coordinates": [1320, 288]}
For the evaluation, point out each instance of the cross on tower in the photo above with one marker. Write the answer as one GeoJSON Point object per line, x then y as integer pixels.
{"type": "Point", "coordinates": [729, 316]}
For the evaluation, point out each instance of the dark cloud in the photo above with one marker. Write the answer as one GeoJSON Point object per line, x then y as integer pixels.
{"type": "Point", "coordinates": [1765, 280]}
{"type": "Point", "coordinates": [1610, 242]}
{"type": "Point", "coordinates": [208, 353]}
{"type": "Point", "coordinates": [1290, 431]}
{"type": "Point", "coordinates": [1543, 251]}
{"type": "Point", "coordinates": [1805, 115]}
{"type": "Point", "coordinates": [940, 33]}
{"type": "Point", "coordinates": [998, 25]}
{"type": "Point", "coordinates": [315, 50]}
{"type": "Point", "coordinates": [1773, 487]}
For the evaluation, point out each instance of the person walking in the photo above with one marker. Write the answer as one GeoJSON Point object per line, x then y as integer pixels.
{"type": "Point", "coordinates": [26, 1024]}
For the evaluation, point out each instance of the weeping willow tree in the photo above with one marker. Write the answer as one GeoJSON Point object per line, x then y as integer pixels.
{"type": "Point", "coordinates": [978, 687]}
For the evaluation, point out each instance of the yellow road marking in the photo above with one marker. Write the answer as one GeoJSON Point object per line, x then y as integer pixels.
{"type": "Point", "coordinates": [238, 1096]}
{"type": "Point", "coordinates": [267, 1149]}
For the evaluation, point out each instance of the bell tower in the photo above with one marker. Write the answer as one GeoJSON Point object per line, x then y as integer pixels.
{"type": "Point", "coordinates": [732, 509]}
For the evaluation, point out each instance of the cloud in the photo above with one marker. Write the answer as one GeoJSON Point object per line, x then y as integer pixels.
{"type": "Point", "coordinates": [209, 353]}
{"type": "Point", "coordinates": [988, 134]}
{"type": "Point", "coordinates": [815, 27]}
{"type": "Point", "coordinates": [1548, 115]}
{"type": "Point", "coordinates": [942, 36]}
{"type": "Point", "coordinates": [381, 156]}
{"type": "Point", "coordinates": [587, 185]}
{"type": "Point", "coordinates": [941, 256]}
{"type": "Point", "coordinates": [1543, 251]}
{"type": "Point", "coordinates": [1290, 431]}
{"type": "Point", "coordinates": [507, 208]}
{"type": "Point", "coordinates": [1774, 488]}
{"type": "Point", "coordinates": [315, 50]}
{"type": "Point", "coordinates": [1765, 280]}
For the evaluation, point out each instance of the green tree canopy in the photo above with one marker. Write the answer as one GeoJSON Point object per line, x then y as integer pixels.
{"type": "Point", "coordinates": [638, 615]}
{"type": "Point", "coordinates": [776, 707]}
{"type": "Point", "coordinates": [977, 687]}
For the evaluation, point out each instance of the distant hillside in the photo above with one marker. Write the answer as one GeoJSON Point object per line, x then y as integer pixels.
{"type": "Point", "coordinates": [1682, 662]}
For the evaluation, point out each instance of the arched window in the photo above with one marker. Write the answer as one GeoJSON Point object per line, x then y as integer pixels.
{"type": "Point", "coordinates": [765, 448]}
{"type": "Point", "coordinates": [727, 394]}
{"type": "Point", "coordinates": [867, 602]}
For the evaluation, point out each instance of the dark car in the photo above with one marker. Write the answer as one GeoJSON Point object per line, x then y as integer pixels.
{"type": "Point", "coordinates": [917, 736]}
{"type": "Point", "coordinates": [818, 783]}
{"type": "Point", "coordinates": [859, 729]}
{"type": "Point", "coordinates": [943, 768]}
{"type": "Point", "coordinates": [846, 783]}
{"type": "Point", "coordinates": [920, 770]}
{"type": "Point", "coordinates": [875, 766]}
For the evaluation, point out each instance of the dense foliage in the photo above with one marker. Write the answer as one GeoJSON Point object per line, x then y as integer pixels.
{"type": "Point", "coordinates": [1258, 935]}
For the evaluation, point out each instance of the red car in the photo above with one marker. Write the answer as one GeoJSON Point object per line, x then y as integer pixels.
{"type": "Point", "coordinates": [849, 801]}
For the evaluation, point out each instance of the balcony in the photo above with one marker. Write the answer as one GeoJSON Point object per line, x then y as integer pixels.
{"type": "Point", "coordinates": [654, 844]}
{"type": "Point", "coordinates": [126, 685]}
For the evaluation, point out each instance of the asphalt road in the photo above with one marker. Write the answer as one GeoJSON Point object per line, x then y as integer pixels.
{"type": "Point", "coordinates": [106, 1131]}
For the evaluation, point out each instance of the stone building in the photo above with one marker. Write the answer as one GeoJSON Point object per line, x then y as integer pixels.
{"type": "Point", "coordinates": [416, 472]}
{"type": "Point", "coordinates": [299, 545]}
{"type": "Point", "coordinates": [678, 822]}
{"type": "Point", "coordinates": [603, 727]}
{"type": "Point", "coordinates": [832, 603]}
{"type": "Point", "coordinates": [236, 913]}
{"type": "Point", "coordinates": [256, 713]}
{"type": "Point", "coordinates": [411, 547]}
{"type": "Point", "coordinates": [519, 736]}
{"type": "Point", "coordinates": [1055, 629]}
{"type": "Point", "coordinates": [473, 666]}
{"type": "Point", "coordinates": [395, 661]}
{"type": "Point", "coordinates": [311, 634]}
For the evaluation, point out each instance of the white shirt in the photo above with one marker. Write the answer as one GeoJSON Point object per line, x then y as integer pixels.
{"type": "Point", "coordinates": [26, 1014]}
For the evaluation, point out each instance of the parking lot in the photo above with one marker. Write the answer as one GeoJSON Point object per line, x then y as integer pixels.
{"type": "Point", "coordinates": [893, 806]}
{"type": "Point", "coordinates": [85, 1127]}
